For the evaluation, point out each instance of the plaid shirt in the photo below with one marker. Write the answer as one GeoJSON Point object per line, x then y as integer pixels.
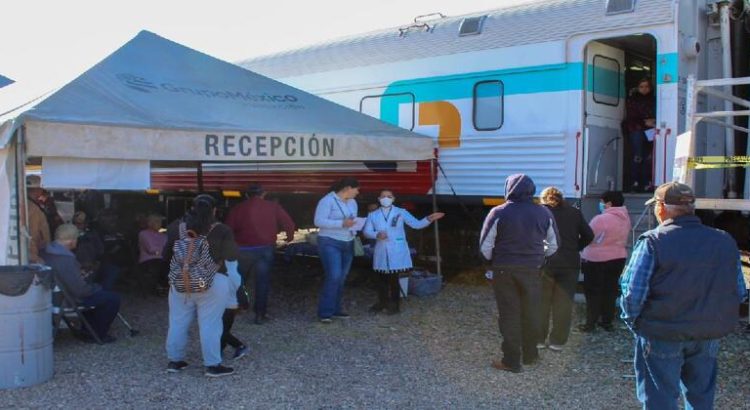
{"type": "Point", "coordinates": [637, 275]}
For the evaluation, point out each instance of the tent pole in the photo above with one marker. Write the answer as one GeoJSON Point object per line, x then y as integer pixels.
{"type": "Point", "coordinates": [22, 221]}
{"type": "Point", "coordinates": [439, 260]}
{"type": "Point", "coordinates": [200, 177]}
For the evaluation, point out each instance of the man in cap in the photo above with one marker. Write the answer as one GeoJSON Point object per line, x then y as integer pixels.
{"type": "Point", "coordinates": [255, 223]}
{"type": "Point", "coordinates": [39, 231]}
{"type": "Point", "coordinates": [517, 236]}
{"type": "Point", "coordinates": [680, 295]}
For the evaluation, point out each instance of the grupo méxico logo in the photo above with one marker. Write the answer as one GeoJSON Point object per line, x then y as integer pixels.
{"type": "Point", "coordinates": [137, 83]}
{"type": "Point", "coordinates": [144, 85]}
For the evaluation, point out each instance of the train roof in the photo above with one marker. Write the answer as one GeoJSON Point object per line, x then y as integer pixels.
{"type": "Point", "coordinates": [545, 21]}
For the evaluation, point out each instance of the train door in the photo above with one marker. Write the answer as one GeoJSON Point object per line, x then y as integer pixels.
{"type": "Point", "coordinates": [604, 109]}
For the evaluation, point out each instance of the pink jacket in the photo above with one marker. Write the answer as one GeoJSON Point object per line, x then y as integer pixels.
{"type": "Point", "coordinates": [611, 233]}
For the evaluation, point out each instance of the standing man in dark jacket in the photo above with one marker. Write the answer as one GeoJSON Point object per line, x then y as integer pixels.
{"type": "Point", "coordinates": [516, 237]}
{"type": "Point", "coordinates": [680, 295]}
{"type": "Point", "coordinates": [67, 270]}
{"type": "Point", "coordinates": [255, 224]}
{"type": "Point", "coordinates": [560, 274]}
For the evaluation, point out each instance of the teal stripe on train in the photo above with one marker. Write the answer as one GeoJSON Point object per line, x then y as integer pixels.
{"type": "Point", "coordinates": [522, 80]}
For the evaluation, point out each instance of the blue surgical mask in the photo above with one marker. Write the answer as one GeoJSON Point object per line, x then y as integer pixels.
{"type": "Point", "coordinates": [602, 207]}
{"type": "Point", "coordinates": [386, 202]}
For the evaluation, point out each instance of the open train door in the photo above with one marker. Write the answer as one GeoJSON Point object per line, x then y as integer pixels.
{"type": "Point", "coordinates": [604, 111]}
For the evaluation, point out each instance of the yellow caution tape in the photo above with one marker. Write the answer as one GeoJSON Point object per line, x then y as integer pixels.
{"type": "Point", "coordinates": [714, 162]}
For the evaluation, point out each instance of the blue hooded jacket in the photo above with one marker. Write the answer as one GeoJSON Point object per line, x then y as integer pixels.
{"type": "Point", "coordinates": [519, 232]}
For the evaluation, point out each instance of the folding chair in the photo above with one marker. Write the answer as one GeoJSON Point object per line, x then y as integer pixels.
{"type": "Point", "coordinates": [66, 309]}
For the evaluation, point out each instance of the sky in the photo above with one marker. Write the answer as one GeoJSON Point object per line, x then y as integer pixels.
{"type": "Point", "coordinates": [52, 41]}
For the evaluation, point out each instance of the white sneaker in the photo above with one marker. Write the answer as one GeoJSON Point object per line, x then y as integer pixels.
{"type": "Point", "coordinates": [541, 346]}
{"type": "Point", "coordinates": [555, 348]}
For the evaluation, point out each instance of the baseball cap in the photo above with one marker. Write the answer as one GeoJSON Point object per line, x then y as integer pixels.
{"type": "Point", "coordinates": [673, 193]}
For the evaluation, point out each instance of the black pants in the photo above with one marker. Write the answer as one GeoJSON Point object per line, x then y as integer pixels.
{"type": "Point", "coordinates": [518, 290]}
{"type": "Point", "coordinates": [389, 291]}
{"type": "Point", "coordinates": [558, 290]}
{"type": "Point", "coordinates": [227, 338]}
{"type": "Point", "coordinates": [601, 284]}
{"type": "Point", "coordinates": [152, 272]}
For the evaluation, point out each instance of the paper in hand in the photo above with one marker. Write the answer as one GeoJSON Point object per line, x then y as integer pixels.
{"type": "Point", "coordinates": [359, 223]}
{"type": "Point", "coordinates": [650, 134]}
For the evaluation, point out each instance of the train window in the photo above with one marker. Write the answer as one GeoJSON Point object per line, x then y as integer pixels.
{"type": "Point", "coordinates": [605, 81]}
{"type": "Point", "coordinates": [488, 105]}
{"type": "Point", "coordinates": [620, 6]}
{"type": "Point", "coordinates": [397, 108]}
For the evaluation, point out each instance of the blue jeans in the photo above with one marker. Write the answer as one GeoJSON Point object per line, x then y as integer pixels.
{"type": "Point", "coordinates": [106, 305]}
{"type": "Point", "coordinates": [665, 370]}
{"type": "Point", "coordinates": [109, 273]}
{"type": "Point", "coordinates": [209, 306]}
{"type": "Point", "coordinates": [336, 257]}
{"type": "Point", "coordinates": [258, 262]}
{"type": "Point", "coordinates": [641, 166]}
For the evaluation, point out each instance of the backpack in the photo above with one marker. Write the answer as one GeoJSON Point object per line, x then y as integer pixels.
{"type": "Point", "coordinates": [192, 269]}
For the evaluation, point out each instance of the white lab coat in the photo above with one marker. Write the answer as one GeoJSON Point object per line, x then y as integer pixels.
{"type": "Point", "coordinates": [392, 254]}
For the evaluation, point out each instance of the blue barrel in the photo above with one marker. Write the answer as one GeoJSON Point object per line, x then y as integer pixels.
{"type": "Point", "coordinates": [25, 326]}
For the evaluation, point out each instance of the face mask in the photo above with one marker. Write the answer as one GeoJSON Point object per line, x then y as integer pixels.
{"type": "Point", "coordinates": [386, 202]}
{"type": "Point", "coordinates": [602, 207]}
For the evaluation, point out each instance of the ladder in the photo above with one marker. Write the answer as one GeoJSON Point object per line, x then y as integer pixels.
{"type": "Point", "coordinates": [684, 171]}
{"type": "Point", "coordinates": [685, 158]}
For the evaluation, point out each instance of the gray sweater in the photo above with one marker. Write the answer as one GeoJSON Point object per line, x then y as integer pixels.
{"type": "Point", "coordinates": [68, 271]}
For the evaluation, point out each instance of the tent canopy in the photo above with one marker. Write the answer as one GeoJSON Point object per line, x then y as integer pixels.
{"type": "Point", "coordinates": [4, 81]}
{"type": "Point", "coordinates": [154, 99]}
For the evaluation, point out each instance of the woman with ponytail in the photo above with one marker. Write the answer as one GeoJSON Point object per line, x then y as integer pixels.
{"type": "Point", "coordinates": [336, 215]}
{"type": "Point", "coordinates": [560, 272]}
{"type": "Point", "coordinates": [208, 304]}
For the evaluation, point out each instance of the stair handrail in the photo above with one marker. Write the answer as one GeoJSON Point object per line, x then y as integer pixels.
{"type": "Point", "coordinates": [602, 151]}
{"type": "Point", "coordinates": [639, 221]}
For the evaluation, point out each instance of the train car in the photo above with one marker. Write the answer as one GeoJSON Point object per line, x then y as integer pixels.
{"type": "Point", "coordinates": [538, 88]}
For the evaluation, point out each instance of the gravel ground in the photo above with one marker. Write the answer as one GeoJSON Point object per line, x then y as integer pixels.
{"type": "Point", "coordinates": [436, 354]}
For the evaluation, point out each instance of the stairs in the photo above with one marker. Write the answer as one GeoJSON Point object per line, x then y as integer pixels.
{"type": "Point", "coordinates": [641, 218]}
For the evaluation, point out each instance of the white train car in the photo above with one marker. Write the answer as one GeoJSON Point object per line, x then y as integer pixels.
{"type": "Point", "coordinates": [537, 88]}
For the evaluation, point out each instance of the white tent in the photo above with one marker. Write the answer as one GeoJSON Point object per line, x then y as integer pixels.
{"type": "Point", "coordinates": [156, 100]}
{"type": "Point", "coordinates": [4, 81]}
{"type": "Point", "coordinates": [164, 101]}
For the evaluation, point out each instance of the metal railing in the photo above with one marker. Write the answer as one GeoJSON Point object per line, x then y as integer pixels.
{"type": "Point", "coordinates": [646, 214]}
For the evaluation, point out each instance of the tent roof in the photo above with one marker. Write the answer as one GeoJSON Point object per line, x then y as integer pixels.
{"type": "Point", "coordinates": [4, 81]}
{"type": "Point", "coordinates": [154, 99]}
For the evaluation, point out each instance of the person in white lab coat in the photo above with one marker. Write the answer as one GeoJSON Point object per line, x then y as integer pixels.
{"type": "Point", "coordinates": [391, 256]}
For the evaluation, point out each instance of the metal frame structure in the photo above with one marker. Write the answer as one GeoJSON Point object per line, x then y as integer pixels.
{"type": "Point", "coordinates": [720, 88]}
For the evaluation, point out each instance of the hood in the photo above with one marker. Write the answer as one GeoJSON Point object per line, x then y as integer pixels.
{"type": "Point", "coordinates": [618, 211]}
{"type": "Point", "coordinates": [55, 248]}
{"type": "Point", "coordinates": [519, 188]}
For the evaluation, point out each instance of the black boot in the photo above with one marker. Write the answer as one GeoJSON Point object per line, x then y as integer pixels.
{"type": "Point", "coordinates": [394, 294]}
{"type": "Point", "coordinates": [382, 287]}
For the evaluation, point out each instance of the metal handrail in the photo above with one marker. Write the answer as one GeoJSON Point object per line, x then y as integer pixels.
{"type": "Point", "coordinates": [402, 31]}
{"type": "Point", "coordinates": [578, 140]}
{"type": "Point", "coordinates": [599, 159]}
{"type": "Point", "coordinates": [435, 16]}
{"type": "Point", "coordinates": [639, 221]}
